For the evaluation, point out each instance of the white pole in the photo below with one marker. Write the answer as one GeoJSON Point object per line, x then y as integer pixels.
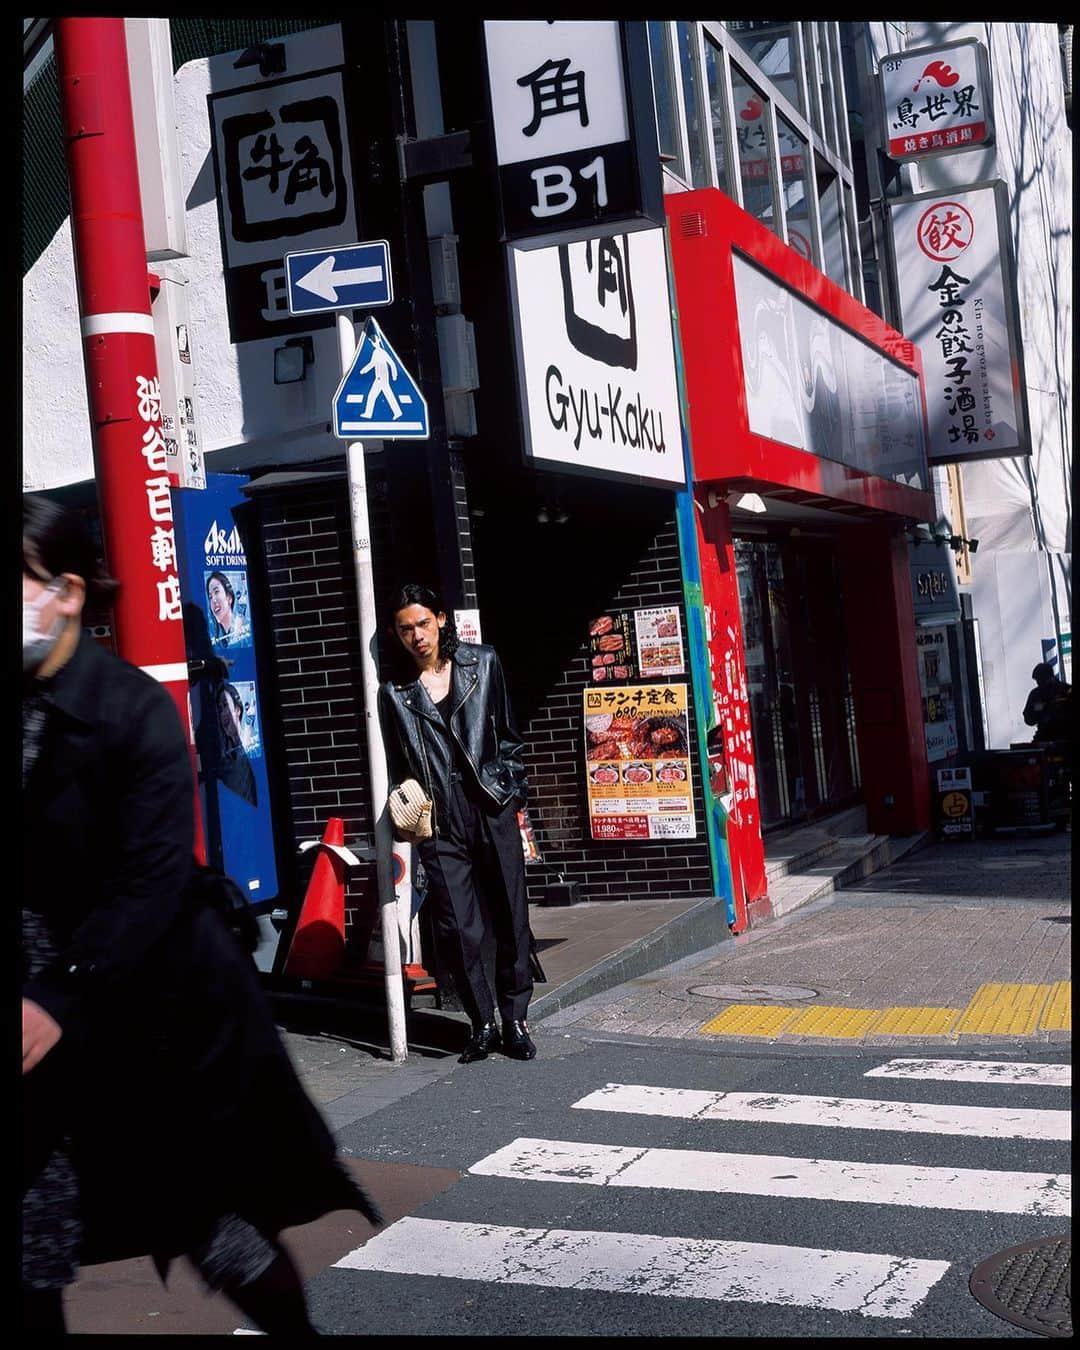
{"type": "Point", "coordinates": [384, 842]}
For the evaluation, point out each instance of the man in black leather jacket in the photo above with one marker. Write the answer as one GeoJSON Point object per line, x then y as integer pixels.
{"type": "Point", "coordinates": [447, 724]}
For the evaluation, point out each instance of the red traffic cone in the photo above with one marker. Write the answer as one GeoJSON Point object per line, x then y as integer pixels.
{"type": "Point", "coordinates": [318, 945]}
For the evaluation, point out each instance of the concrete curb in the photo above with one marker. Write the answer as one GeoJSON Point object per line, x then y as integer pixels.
{"type": "Point", "coordinates": [692, 931]}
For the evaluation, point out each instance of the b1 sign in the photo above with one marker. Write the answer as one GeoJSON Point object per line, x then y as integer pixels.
{"type": "Point", "coordinates": [957, 299]}
{"type": "Point", "coordinates": [936, 100]}
{"type": "Point", "coordinates": [596, 359]}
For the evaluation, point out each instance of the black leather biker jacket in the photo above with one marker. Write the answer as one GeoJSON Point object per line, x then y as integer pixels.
{"type": "Point", "coordinates": [414, 733]}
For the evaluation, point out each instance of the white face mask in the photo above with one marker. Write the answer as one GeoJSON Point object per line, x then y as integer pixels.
{"type": "Point", "coordinates": [36, 644]}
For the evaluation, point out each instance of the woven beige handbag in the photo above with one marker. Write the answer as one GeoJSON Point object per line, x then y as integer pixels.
{"type": "Point", "coordinates": [410, 810]}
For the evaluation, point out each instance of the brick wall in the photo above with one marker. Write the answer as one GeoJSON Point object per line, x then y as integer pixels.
{"type": "Point", "coordinates": [539, 585]}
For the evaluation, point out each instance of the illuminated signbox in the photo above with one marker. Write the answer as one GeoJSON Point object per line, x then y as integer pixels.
{"type": "Point", "coordinates": [936, 100]}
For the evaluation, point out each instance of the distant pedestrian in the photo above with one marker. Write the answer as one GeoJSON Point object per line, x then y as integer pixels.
{"type": "Point", "coordinates": [1048, 705]}
{"type": "Point", "coordinates": [447, 724]}
{"type": "Point", "coordinates": [161, 1114]}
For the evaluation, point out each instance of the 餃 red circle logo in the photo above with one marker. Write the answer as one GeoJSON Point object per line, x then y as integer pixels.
{"type": "Point", "coordinates": [945, 230]}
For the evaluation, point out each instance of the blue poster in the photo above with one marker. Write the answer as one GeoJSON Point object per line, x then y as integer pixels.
{"type": "Point", "coordinates": [222, 670]}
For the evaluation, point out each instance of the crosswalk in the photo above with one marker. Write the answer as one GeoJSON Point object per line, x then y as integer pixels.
{"type": "Point", "coordinates": [882, 1284]}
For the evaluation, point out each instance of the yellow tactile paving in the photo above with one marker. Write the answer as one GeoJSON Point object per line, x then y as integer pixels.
{"type": "Point", "coordinates": [1004, 1009]}
{"type": "Point", "coordinates": [750, 1019]}
{"type": "Point", "coordinates": [1057, 1015]}
{"type": "Point", "coordinates": [848, 1022]}
{"type": "Point", "coordinates": [916, 1022]}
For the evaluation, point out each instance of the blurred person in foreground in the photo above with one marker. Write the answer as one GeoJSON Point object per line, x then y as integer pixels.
{"type": "Point", "coordinates": [161, 1113]}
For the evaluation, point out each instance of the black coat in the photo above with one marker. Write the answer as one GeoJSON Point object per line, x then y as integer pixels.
{"type": "Point", "coordinates": [414, 733]}
{"type": "Point", "coordinates": [170, 1075]}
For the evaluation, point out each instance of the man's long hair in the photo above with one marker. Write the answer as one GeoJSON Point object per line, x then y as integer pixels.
{"type": "Point", "coordinates": [413, 593]}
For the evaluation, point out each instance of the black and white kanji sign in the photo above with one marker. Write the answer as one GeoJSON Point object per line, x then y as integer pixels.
{"type": "Point", "coordinates": [285, 182]}
{"type": "Point", "coordinates": [564, 134]}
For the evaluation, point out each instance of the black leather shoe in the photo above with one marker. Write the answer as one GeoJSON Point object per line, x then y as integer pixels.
{"type": "Point", "coordinates": [517, 1043]}
{"type": "Point", "coordinates": [483, 1040]}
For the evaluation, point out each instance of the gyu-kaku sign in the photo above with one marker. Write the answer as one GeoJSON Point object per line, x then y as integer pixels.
{"type": "Point", "coordinates": [353, 276]}
{"type": "Point", "coordinates": [378, 397]}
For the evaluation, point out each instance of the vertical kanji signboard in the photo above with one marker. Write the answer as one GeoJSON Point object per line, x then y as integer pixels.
{"type": "Point", "coordinates": [936, 100]}
{"type": "Point", "coordinates": [575, 135]}
{"type": "Point", "coordinates": [958, 302]}
{"type": "Point", "coordinates": [284, 176]}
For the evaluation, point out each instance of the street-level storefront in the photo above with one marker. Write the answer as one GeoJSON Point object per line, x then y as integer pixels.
{"type": "Point", "coordinates": [807, 430]}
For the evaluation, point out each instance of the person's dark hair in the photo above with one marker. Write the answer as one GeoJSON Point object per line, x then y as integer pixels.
{"type": "Point", "coordinates": [415, 594]}
{"type": "Point", "coordinates": [55, 540]}
{"type": "Point", "coordinates": [1043, 671]}
{"type": "Point", "coordinates": [226, 585]}
{"type": "Point", "coordinates": [233, 694]}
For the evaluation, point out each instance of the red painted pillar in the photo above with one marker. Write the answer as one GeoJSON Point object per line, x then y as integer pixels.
{"type": "Point", "coordinates": [731, 703]}
{"type": "Point", "coordinates": [119, 352]}
{"type": "Point", "coordinates": [880, 621]}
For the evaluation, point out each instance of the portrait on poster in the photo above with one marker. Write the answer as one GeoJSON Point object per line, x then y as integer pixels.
{"type": "Point", "coordinates": [227, 608]}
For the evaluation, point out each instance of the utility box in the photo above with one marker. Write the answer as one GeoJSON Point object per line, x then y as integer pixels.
{"type": "Point", "coordinates": [180, 423]}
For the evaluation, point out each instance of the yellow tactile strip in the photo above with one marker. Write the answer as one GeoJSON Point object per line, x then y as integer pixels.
{"type": "Point", "coordinates": [1004, 1010]}
{"type": "Point", "coordinates": [1057, 1015]}
{"type": "Point", "coordinates": [994, 1010]}
{"type": "Point", "coordinates": [750, 1019]}
{"type": "Point", "coordinates": [916, 1022]}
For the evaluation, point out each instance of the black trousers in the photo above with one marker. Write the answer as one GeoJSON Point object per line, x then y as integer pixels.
{"type": "Point", "coordinates": [476, 883]}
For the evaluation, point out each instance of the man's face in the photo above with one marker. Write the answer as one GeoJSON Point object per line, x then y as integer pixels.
{"type": "Point", "coordinates": [418, 629]}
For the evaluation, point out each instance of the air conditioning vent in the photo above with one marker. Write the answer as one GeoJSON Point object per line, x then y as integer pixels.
{"type": "Point", "coordinates": [692, 225]}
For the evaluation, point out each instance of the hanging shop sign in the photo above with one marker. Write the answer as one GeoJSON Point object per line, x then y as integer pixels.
{"type": "Point", "coordinates": [659, 641]}
{"type": "Point", "coordinates": [811, 383]}
{"type": "Point", "coordinates": [575, 133]}
{"type": "Point", "coordinates": [958, 301]}
{"type": "Point", "coordinates": [234, 785]}
{"type": "Point", "coordinates": [637, 762]}
{"type": "Point", "coordinates": [596, 358]}
{"type": "Point", "coordinates": [283, 172]}
{"type": "Point", "coordinates": [934, 591]}
{"type": "Point", "coordinates": [936, 100]}
{"type": "Point", "coordinates": [611, 648]}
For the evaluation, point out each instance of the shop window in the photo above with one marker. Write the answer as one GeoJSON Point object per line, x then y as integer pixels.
{"type": "Point", "coordinates": [841, 142]}
{"type": "Point", "coordinates": [693, 103]}
{"type": "Point", "coordinates": [795, 183]}
{"type": "Point", "coordinates": [771, 47]}
{"type": "Point", "coordinates": [851, 229]}
{"type": "Point", "coordinates": [754, 141]}
{"type": "Point", "coordinates": [714, 79]}
{"type": "Point", "coordinates": [830, 209]}
{"type": "Point", "coordinates": [664, 95]}
{"type": "Point", "coordinates": [825, 84]}
{"type": "Point", "coordinates": [813, 82]}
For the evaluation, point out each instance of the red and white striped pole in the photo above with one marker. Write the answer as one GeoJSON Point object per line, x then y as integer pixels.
{"type": "Point", "coordinates": [120, 356]}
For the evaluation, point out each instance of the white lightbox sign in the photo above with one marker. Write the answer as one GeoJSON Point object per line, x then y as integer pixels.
{"type": "Point", "coordinates": [936, 100]}
{"type": "Point", "coordinates": [596, 357]}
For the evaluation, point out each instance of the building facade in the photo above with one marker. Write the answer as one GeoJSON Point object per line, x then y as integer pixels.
{"type": "Point", "coordinates": [765, 592]}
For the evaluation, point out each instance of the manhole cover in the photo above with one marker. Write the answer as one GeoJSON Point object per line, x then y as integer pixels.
{"type": "Point", "coordinates": [1029, 1285]}
{"type": "Point", "coordinates": [753, 993]}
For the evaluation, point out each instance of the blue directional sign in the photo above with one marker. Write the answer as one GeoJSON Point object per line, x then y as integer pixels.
{"type": "Point", "coordinates": [355, 276]}
{"type": "Point", "coordinates": [378, 397]}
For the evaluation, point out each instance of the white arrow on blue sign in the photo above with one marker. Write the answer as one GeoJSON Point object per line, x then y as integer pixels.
{"type": "Point", "coordinates": [378, 397]}
{"type": "Point", "coordinates": [354, 276]}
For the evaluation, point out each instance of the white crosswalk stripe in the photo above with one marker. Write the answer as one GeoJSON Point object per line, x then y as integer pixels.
{"type": "Point", "coordinates": [679, 1169]}
{"type": "Point", "coordinates": [867, 1283]}
{"type": "Point", "coordinates": [849, 1113]}
{"type": "Point", "coordinates": [976, 1071]}
{"type": "Point", "coordinates": [640, 1263]}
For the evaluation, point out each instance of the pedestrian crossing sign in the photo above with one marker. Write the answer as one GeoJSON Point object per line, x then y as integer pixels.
{"type": "Point", "coordinates": [378, 397]}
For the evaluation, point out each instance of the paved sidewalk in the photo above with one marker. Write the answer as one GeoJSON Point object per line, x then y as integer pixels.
{"type": "Point", "coordinates": [929, 932]}
{"type": "Point", "coordinates": [956, 944]}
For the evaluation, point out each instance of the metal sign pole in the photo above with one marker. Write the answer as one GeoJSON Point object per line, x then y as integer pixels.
{"type": "Point", "coordinates": [365, 593]}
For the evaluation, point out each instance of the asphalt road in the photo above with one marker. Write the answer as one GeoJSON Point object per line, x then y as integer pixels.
{"type": "Point", "coordinates": [641, 1247]}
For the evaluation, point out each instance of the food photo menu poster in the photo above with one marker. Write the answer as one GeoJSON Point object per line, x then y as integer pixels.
{"type": "Point", "coordinates": [611, 648]}
{"type": "Point", "coordinates": [637, 762]}
{"type": "Point", "coordinates": [659, 641]}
